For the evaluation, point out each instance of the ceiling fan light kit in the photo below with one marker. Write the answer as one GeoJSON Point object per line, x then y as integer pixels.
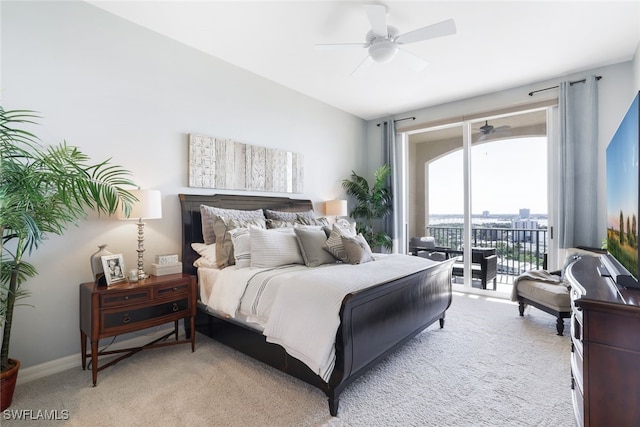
{"type": "Point", "coordinates": [383, 51]}
{"type": "Point", "coordinates": [383, 40]}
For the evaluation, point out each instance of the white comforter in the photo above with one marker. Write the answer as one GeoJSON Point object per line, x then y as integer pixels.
{"type": "Point", "coordinates": [298, 307]}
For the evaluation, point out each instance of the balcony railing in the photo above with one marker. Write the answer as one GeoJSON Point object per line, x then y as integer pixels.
{"type": "Point", "coordinates": [518, 249]}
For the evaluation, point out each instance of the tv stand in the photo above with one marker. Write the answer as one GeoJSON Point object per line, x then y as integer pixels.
{"type": "Point", "coordinates": [605, 348]}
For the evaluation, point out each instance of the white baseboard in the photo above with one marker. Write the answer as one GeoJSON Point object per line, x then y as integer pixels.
{"type": "Point", "coordinates": [74, 361]}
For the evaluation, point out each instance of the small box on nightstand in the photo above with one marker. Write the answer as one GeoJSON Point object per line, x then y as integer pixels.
{"type": "Point", "coordinates": [164, 269]}
{"type": "Point", "coordinates": [166, 259]}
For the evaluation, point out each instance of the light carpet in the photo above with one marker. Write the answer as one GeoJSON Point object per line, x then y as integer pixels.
{"type": "Point", "coordinates": [487, 367]}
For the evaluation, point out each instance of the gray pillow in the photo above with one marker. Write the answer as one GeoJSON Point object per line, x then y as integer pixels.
{"type": "Point", "coordinates": [334, 243]}
{"type": "Point", "coordinates": [357, 249]}
{"type": "Point", "coordinates": [312, 221]}
{"type": "Point", "coordinates": [288, 216]}
{"type": "Point", "coordinates": [311, 242]}
{"type": "Point", "coordinates": [210, 213]}
{"type": "Point", "coordinates": [276, 223]}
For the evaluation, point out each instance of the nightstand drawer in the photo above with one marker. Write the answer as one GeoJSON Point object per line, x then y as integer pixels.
{"type": "Point", "coordinates": [155, 314]}
{"type": "Point", "coordinates": [125, 298]}
{"type": "Point", "coordinates": [172, 290]}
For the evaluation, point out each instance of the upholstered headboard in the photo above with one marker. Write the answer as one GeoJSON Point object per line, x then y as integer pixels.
{"type": "Point", "coordinates": [192, 220]}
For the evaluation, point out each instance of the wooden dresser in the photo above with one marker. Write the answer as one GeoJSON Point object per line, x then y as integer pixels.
{"type": "Point", "coordinates": [605, 348]}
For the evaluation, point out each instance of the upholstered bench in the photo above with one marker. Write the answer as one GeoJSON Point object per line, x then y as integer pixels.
{"type": "Point", "coordinates": [552, 298]}
{"type": "Point", "coordinates": [546, 290]}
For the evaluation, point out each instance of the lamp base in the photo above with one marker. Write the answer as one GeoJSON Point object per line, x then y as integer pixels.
{"type": "Point", "coordinates": [141, 274]}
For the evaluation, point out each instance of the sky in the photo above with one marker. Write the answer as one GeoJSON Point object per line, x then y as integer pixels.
{"type": "Point", "coordinates": [622, 169]}
{"type": "Point", "coordinates": [507, 175]}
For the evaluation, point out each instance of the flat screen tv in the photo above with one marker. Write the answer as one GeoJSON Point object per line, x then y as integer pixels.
{"type": "Point", "coordinates": [623, 200]}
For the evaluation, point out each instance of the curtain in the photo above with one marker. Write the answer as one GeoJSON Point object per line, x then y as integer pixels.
{"type": "Point", "coordinates": [578, 160]}
{"type": "Point", "coordinates": [393, 223]}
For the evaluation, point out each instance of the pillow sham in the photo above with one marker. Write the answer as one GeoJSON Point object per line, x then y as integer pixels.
{"type": "Point", "coordinates": [224, 246]}
{"type": "Point", "coordinates": [276, 223]}
{"type": "Point", "coordinates": [288, 216]}
{"type": "Point", "coordinates": [334, 243]}
{"type": "Point", "coordinates": [210, 213]}
{"type": "Point", "coordinates": [312, 221]}
{"type": "Point", "coordinates": [357, 249]}
{"type": "Point", "coordinates": [207, 255]}
{"type": "Point", "coordinates": [274, 248]}
{"type": "Point", "coordinates": [241, 247]}
{"type": "Point", "coordinates": [311, 242]}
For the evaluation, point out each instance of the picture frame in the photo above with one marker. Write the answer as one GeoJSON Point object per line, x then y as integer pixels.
{"type": "Point", "coordinates": [113, 266]}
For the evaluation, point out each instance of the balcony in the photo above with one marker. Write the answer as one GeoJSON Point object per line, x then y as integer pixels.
{"type": "Point", "coordinates": [518, 249]}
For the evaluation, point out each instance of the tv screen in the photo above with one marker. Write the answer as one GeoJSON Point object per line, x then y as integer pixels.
{"type": "Point", "coordinates": [622, 195]}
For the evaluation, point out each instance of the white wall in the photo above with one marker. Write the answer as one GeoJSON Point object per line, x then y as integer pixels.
{"type": "Point", "coordinates": [117, 90]}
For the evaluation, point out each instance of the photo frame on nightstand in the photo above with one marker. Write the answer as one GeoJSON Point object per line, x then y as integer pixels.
{"type": "Point", "coordinates": [113, 266]}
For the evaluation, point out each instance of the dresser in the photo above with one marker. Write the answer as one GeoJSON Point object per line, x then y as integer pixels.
{"type": "Point", "coordinates": [128, 307]}
{"type": "Point", "coordinates": [605, 348]}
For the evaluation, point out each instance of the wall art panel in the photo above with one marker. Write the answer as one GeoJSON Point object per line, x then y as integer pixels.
{"type": "Point", "coordinates": [226, 164]}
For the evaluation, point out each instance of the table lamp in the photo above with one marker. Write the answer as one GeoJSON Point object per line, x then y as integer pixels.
{"type": "Point", "coordinates": [148, 206]}
{"type": "Point", "coordinates": [335, 208]}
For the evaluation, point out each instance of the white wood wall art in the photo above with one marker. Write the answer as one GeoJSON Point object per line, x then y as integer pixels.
{"type": "Point", "coordinates": [230, 165]}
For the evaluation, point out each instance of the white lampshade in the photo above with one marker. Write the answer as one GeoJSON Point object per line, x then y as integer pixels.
{"type": "Point", "coordinates": [335, 208]}
{"type": "Point", "coordinates": [148, 205]}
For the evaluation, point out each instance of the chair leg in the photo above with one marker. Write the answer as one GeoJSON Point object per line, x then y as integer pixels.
{"type": "Point", "coordinates": [521, 306]}
{"type": "Point", "coordinates": [560, 325]}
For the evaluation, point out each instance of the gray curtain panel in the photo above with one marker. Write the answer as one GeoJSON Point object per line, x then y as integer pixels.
{"type": "Point", "coordinates": [394, 224]}
{"type": "Point", "coordinates": [578, 159]}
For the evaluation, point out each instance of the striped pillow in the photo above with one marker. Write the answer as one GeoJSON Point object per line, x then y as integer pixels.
{"type": "Point", "coordinates": [274, 248]}
{"type": "Point", "coordinates": [241, 247]}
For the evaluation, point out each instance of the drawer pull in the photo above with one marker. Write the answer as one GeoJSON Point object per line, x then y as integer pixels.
{"type": "Point", "coordinates": [126, 318]}
{"type": "Point", "coordinates": [174, 288]}
{"type": "Point", "coordinates": [127, 297]}
{"type": "Point", "coordinates": [176, 307]}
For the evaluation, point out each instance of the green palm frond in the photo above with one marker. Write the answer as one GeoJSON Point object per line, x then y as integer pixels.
{"type": "Point", "coordinates": [373, 203]}
{"type": "Point", "coordinates": [42, 191]}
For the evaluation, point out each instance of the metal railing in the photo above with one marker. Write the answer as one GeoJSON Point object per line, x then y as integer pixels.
{"type": "Point", "coordinates": [518, 249]}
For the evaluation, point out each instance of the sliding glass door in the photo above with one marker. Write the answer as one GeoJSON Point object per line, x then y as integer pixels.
{"type": "Point", "coordinates": [482, 181]}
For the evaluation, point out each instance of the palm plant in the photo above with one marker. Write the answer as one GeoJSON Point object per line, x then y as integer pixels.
{"type": "Point", "coordinates": [373, 203]}
{"type": "Point", "coordinates": [43, 190]}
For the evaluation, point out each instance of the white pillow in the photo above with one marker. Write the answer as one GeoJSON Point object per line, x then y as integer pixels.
{"type": "Point", "coordinates": [207, 255]}
{"type": "Point", "coordinates": [274, 247]}
{"type": "Point", "coordinates": [241, 247]}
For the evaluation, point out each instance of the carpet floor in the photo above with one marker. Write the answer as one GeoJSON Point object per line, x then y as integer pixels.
{"type": "Point", "coordinates": [486, 367]}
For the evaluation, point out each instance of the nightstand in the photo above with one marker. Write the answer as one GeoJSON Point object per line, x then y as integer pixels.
{"type": "Point", "coordinates": [128, 307]}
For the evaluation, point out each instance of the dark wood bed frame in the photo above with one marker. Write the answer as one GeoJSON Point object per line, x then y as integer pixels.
{"type": "Point", "coordinates": [374, 322]}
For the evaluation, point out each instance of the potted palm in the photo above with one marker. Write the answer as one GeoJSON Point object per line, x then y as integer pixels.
{"type": "Point", "coordinates": [42, 190]}
{"type": "Point", "coordinates": [373, 204]}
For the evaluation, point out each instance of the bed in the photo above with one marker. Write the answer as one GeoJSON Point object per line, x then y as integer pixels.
{"type": "Point", "coordinates": [373, 322]}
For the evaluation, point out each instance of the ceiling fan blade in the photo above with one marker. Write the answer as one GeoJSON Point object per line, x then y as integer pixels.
{"type": "Point", "coordinates": [412, 61]}
{"type": "Point", "coordinates": [444, 28]}
{"type": "Point", "coordinates": [377, 14]}
{"type": "Point", "coordinates": [334, 46]}
{"type": "Point", "coordinates": [366, 63]}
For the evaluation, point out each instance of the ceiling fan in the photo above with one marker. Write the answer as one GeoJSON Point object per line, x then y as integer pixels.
{"type": "Point", "coordinates": [383, 41]}
{"type": "Point", "coordinates": [487, 130]}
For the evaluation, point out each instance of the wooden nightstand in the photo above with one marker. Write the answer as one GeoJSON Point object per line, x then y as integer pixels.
{"type": "Point", "coordinates": [127, 307]}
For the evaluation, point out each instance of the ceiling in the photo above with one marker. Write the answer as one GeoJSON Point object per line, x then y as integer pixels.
{"type": "Point", "coordinates": [498, 45]}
